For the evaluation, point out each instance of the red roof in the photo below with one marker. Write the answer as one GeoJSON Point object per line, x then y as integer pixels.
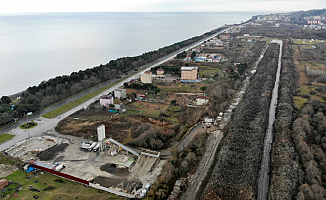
{"type": "Point", "coordinates": [203, 97]}
{"type": "Point", "coordinates": [160, 69]}
{"type": "Point", "coordinates": [147, 72]}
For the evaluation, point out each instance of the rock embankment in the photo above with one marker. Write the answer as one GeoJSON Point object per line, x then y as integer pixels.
{"type": "Point", "coordinates": [286, 173]}
{"type": "Point", "coordinates": [237, 166]}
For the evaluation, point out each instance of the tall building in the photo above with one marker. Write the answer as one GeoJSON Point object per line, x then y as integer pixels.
{"type": "Point", "coordinates": [146, 77]}
{"type": "Point", "coordinates": [189, 73]}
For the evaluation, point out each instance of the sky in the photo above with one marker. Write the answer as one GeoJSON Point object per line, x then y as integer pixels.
{"type": "Point", "coordinates": [30, 6]}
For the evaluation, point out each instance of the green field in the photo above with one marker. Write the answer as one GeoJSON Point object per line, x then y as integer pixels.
{"type": "Point", "coordinates": [5, 136]}
{"type": "Point", "coordinates": [52, 187]}
{"type": "Point", "coordinates": [300, 101]}
{"type": "Point", "coordinates": [307, 42]}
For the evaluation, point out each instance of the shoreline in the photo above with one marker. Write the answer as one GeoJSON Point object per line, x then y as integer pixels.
{"type": "Point", "coordinates": [15, 95]}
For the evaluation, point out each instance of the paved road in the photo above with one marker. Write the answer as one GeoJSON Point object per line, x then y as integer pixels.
{"type": "Point", "coordinates": [49, 124]}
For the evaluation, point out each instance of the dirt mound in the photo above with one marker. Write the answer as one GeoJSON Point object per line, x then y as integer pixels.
{"type": "Point", "coordinates": [106, 181]}
{"type": "Point", "coordinates": [129, 186]}
{"type": "Point", "coordinates": [113, 169]}
{"type": "Point", "coordinates": [144, 165]}
{"type": "Point", "coordinates": [52, 151]}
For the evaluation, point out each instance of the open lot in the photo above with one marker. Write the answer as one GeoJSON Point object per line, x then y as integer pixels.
{"type": "Point", "coordinates": [123, 172]}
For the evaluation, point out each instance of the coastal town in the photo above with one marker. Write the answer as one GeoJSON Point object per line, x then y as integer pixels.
{"type": "Point", "coordinates": [189, 126]}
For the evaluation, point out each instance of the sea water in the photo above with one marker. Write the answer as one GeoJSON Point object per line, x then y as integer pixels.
{"type": "Point", "coordinates": [39, 46]}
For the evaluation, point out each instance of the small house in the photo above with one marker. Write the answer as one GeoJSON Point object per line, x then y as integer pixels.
{"type": "Point", "coordinates": [160, 71]}
{"type": "Point", "coordinates": [202, 100]}
{"type": "Point", "coordinates": [106, 100]}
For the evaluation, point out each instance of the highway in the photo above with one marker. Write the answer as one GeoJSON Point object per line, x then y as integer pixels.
{"type": "Point", "coordinates": [49, 124]}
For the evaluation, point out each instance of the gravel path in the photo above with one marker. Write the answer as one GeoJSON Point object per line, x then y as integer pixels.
{"type": "Point", "coordinates": [204, 166]}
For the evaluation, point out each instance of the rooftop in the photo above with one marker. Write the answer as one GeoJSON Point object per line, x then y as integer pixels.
{"type": "Point", "coordinates": [203, 97]}
{"type": "Point", "coordinates": [188, 68]}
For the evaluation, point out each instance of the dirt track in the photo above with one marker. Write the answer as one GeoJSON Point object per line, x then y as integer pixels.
{"type": "Point", "coordinates": [204, 166]}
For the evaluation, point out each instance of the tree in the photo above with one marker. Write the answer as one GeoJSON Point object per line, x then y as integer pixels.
{"type": "Point", "coordinates": [5, 100]}
{"type": "Point", "coordinates": [203, 89]}
{"type": "Point", "coordinates": [133, 95]}
{"type": "Point", "coordinates": [193, 55]}
{"type": "Point", "coordinates": [173, 102]}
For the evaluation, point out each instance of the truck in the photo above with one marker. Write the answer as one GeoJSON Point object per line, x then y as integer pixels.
{"type": "Point", "coordinates": [92, 146]}
{"type": "Point", "coordinates": [85, 145]}
{"type": "Point", "coordinates": [96, 148]}
{"type": "Point", "coordinates": [60, 167]}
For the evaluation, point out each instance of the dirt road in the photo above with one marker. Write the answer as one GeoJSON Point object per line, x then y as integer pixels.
{"type": "Point", "coordinates": [204, 166]}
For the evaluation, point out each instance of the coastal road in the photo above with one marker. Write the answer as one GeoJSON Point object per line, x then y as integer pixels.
{"type": "Point", "coordinates": [49, 124]}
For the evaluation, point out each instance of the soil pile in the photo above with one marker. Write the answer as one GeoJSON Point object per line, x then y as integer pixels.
{"type": "Point", "coordinates": [129, 186]}
{"type": "Point", "coordinates": [114, 169]}
{"type": "Point", "coordinates": [106, 181]}
{"type": "Point", "coordinates": [52, 151]}
{"type": "Point", "coordinates": [144, 165]}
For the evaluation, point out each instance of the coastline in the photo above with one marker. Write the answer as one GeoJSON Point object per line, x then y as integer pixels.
{"type": "Point", "coordinates": [18, 94]}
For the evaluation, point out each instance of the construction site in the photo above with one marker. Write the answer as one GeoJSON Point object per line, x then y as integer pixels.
{"type": "Point", "coordinates": [106, 165]}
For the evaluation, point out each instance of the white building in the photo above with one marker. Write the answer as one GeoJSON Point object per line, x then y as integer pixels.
{"type": "Point", "coordinates": [202, 100]}
{"type": "Point", "coordinates": [120, 93]}
{"type": "Point", "coordinates": [106, 101]}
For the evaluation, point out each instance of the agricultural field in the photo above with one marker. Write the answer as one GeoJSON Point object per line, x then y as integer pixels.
{"type": "Point", "coordinates": [313, 86]}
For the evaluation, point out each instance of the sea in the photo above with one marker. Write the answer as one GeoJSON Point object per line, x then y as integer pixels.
{"type": "Point", "coordinates": [35, 47]}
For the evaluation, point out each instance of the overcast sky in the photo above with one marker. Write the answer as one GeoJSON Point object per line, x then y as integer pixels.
{"type": "Point", "coordinates": [26, 6]}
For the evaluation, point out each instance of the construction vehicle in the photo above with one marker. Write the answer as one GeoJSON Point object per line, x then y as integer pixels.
{"type": "Point", "coordinates": [85, 145]}
{"type": "Point", "coordinates": [60, 167]}
{"type": "Point", "coordinates": [92, 146]}
{"type": "Point", "coordinates": [96, 148]}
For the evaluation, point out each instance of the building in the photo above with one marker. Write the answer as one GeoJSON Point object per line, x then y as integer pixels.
{"type": "Point", "coordinates": [106, 100]}
{"type": "Point", "coordinates": [225, 36]}
{"type": "Point", "coordinates": [189, 73]}
{"type": "Point", "coordinates": [146, 77]}
{"type": "Point", "coordinates": [120, 93]}
{"type": "Point", "coordinates": [160, 71]}
{"type": "Point", "coordinates": [202, 100]}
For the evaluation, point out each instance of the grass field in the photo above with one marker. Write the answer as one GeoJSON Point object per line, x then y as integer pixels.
{"type": "Point", "coordinates": [5, 136]}
{"type": "Point", "coordinates": [307, 42]}
{"type": "Point", "coordinates": [300, 101]}
{"type": "Point", "coordinates": [52, 187]}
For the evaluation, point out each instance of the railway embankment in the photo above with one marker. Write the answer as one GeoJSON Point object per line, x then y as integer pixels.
{"type": "Point", "coordinates": [235, 173]}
